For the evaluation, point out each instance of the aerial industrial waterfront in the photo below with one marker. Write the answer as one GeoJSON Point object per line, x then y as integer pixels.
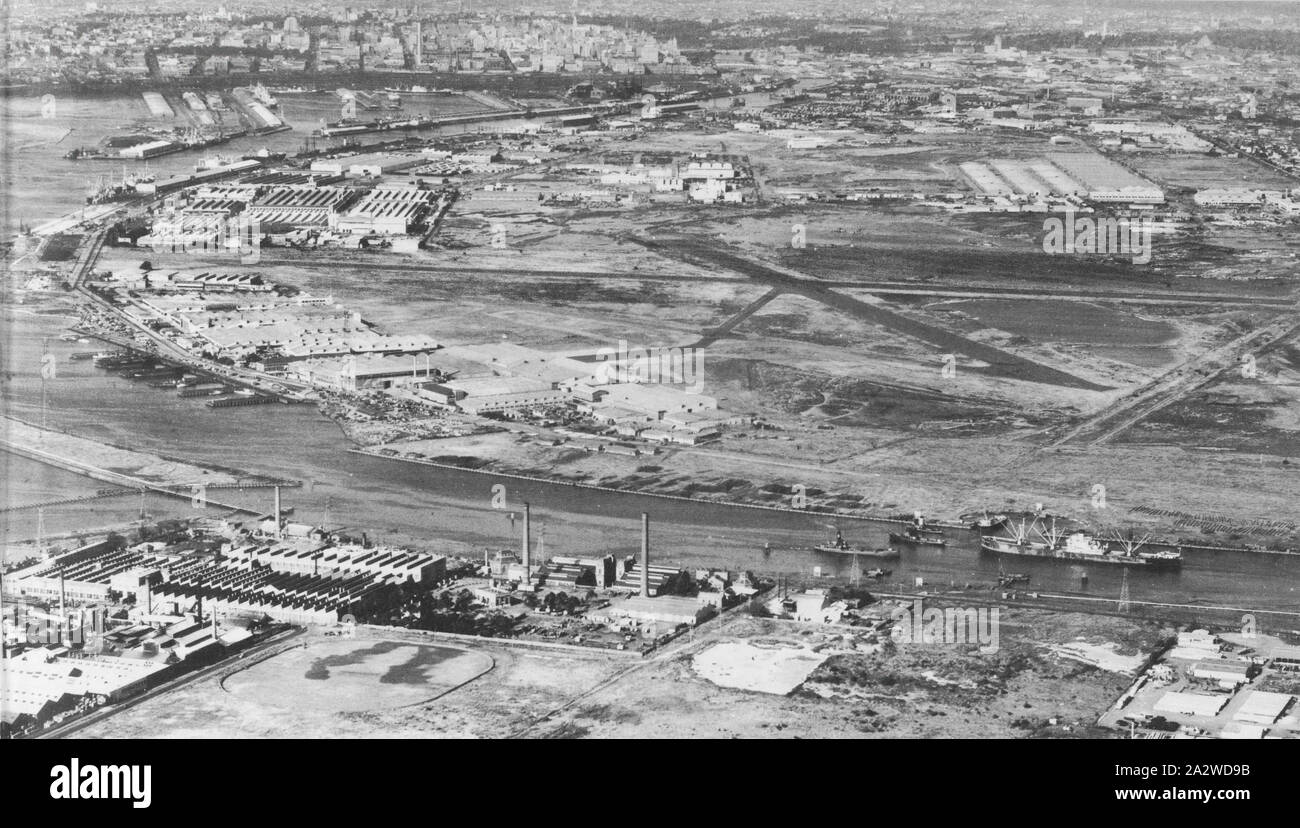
{"type": "Point", "coordinates": [898, 370]}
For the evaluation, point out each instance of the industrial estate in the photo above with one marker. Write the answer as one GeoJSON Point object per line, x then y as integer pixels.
{"type": "Point", "coordinates": [885, 371]}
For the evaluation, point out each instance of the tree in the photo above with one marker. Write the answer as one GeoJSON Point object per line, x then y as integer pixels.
{"type": "Point", "coordinates": [683, 583]}
{"type": "Point", "coordinates": [464, 600]}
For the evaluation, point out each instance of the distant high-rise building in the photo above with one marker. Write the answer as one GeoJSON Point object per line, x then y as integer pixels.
{"type": "Point", "coordinates": [291, 24]}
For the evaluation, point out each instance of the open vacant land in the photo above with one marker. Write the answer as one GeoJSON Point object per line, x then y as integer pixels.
{"type": "Point", "coordinates": [764, 677]}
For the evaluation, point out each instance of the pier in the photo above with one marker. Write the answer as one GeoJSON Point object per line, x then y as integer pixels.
{"type": "Point", "coordinates": [125, 482]}
{"type": "Point", "coordinates": [235, 402]}
{"type": "Point", "coordinates": [68, 501]}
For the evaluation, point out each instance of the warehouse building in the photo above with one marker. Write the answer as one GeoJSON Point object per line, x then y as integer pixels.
{"type": "Point", "coordinates": [88, 574]}
{"type": "Point", "coordinates": [600, 572]}
{"type": "Point", "coordinates": [658, 577]}
{"type": "Point", "coordinates": [1262, 708]}
{"type": "Point", "coordinates": [1190, 704]}
{"type": "Point", "coordinates": [1222, 671]}
{"type": "Point", "coordinates": [322, 559]}
{"type": "Point", "coordinates": [367, 371]}
{"type": "Point", "coordinates": [1107, 181]}
{"type": "Point", "coordinates": [236, 588]}
{"type": "Point", "coordinates": [1233, 197]}
{"type": "Point", "coordinates": [45, 674]}
{"type": "Point", "coordinates": [481, 395]}
{"type": "Point", "coordinates": [299, 207]}
{"type": "Point", "coordinates": [388, 211]}
{"type": "Point", "coordinates": [670, 610]}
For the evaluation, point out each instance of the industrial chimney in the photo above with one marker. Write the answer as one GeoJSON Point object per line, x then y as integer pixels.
{"type": "Point", "coordinates": [528, 541]}
{"type": "Point", "coordinates": [645, 555]}
{"type": "Point", "coordinates": [276, 517]}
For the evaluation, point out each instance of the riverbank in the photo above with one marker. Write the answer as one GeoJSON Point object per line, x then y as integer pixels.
{"type": "Point", "coordinates": [561, 481]}
{"type": "Point", "coordinates": [888, 493]}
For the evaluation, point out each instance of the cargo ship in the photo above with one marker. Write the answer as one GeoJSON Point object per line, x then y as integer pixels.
{"type": "Point", "coordinates": [263, 95]}
{"type": "Point", "coordinates": [1039, 540]}
{"type": "Point", "coordinates": [105, 190]}
{"type": "Point", "coordinates": [352, 127]}
{"type": "Point", "coordinates": [842, 547]}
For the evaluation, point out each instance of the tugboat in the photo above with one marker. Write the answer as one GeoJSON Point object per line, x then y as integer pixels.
{"type": "Point", "coordinates": [841, 547]}
{"type": "Point", "coordinates": [984, 522]}
{"type": "Point", "coordinates": [877, 573]}
{"type": "Point", "coordinates": [918, 535]}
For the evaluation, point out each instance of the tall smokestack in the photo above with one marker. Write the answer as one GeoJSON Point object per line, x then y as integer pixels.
{"type": "Point", "coordinates": [528, 541]}
{"type": "Point", "coordinates": [645, 555]}
{"type": "Point", "coordinates": [277, 511]}
{"type": "Point", "coordinates": [63, 610]}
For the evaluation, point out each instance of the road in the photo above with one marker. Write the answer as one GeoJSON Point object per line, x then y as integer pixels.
{"type": "Point", "coordinates": [704, 634]}
{"type": "Point", "coordinates": [882, 287]}
{"type": "Point", "coordinates": [65, 730]}
{"type": "Point", "coordinates": [714, 334]}
{"type": "Point", "coordinates": [1000, 363]}
{"type": "Point", "coordinates": [1176, 384]}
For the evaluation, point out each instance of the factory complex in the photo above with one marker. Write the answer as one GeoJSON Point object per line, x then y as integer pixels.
{"type": "Point", "coordinates": [1206, 685]}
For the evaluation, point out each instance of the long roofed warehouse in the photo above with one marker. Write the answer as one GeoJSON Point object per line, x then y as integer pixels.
{"type": "Point", "coordinates": [388, 210]}
{"type": "Point", "coordinates": [300, 207]}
